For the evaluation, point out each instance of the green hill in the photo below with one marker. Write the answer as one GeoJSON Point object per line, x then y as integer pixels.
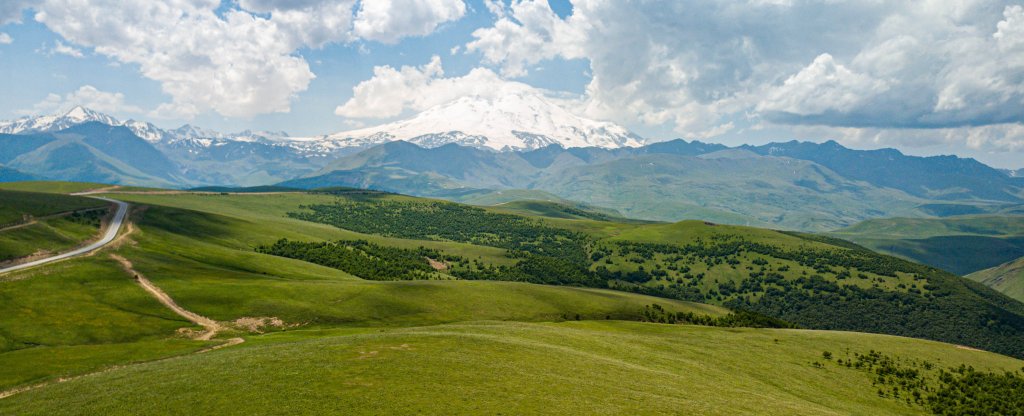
{"type": "Point", "coordinates": [1007, 278]}
{"type": "Point", "coordinates": [38, 223]}
{"type": "Point", "coordinates": [497, 313]}
{"type": "Point", "coordinates": [802, 280]}
{"type": "Point", "coordinates": [514, 368]}
{"type": "Point", "coordinates": [961, 245]}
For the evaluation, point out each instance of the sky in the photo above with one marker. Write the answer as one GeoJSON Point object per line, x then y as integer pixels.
{"type": "Point", "coordinates": [927, 77]}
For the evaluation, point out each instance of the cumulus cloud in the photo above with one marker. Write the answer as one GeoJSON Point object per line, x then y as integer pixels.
{"type": "Point", "coordinates": [238, 62]}
{"type": "Point", "coordinates": [307, 22]}
{"type": "Point", "coordinates": [388, 21]}
{"type": "Point", "coordinates": [391, 91]}
{"type": "Point", "coordinates": [5, 39]}
{"type": "Point", "coordinates": [699, 66]}
{"type": "Point", "coordinates": [10, 10]}
{"type": "Point", "coordinates": [822, 86]}
{"type": "Point", "coordinates": [60, 48]}
{"type": "Point", "coordinates": [526, 34]}
{"type": "Point", "coordinates": [86, 96]}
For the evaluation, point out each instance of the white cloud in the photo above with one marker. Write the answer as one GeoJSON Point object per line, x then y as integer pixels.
{"type": "Point", "coordinates": [526, 34]}
{"type": "Point", "coordinates": [5, 39]}
{"type": "Point", "coordinates": [391, 91]}
{"type": "Point", "coordinates": [699, 66]}
{"type": "Point", "coordinates": [10, 10]}
{"type": "Point", "coordinates": [821, 87]}
{"type": "Point", "coordinates": [388, 21]}
{"type": "Point", "coordinates": [240, 62]}
{"type": "Point", "coordinates": [86, 96]}
{"type": "Point", "coordinates": [62, 49]}
{"type": "Point", "coordinates": [307, 22]}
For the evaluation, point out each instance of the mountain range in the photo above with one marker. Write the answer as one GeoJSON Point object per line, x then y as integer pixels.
{"type": "Point", "coordinates": [480, 151]}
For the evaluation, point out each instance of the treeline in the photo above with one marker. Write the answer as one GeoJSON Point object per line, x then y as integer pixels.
{"type": "Point", "coordinates": [735, 319]}
{"type": "Point", "coordinates": [954, 391]}
{"type": "Point", "coordinates": [91, 217]}
{"type": "Point", "coordinates": [452, 222]}
{"type": "Point", "coordinates": [360, 258]}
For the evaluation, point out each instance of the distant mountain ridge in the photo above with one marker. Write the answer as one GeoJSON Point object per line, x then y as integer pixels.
{"type": "Point", "coordinates": [792, 185]}
{"type": "Point", "coordinates": [678, 179]}
{"type": "Point", "coordinates": [942, 177]}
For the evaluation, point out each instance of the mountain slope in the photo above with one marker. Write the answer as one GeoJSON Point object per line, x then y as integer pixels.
{"type": "Point", "coordinates": [49, 123]}
{"type": "Point", "coordinates": [515, 121]}
{"type": "Point", "coordinates": [723, 187]}
{"type": "Point", "coordinates": [90, 152]}
{"type": "Point", "coordinates": [12, 175]}
{"type": "Point", "coordinates": [1007, 278]}
{"type": "Point", "coordinates": [960, 245]}
{"type": "Point", "coordinates": [937, 177]}
{"type": "Point", "coordinates": [657, 182]}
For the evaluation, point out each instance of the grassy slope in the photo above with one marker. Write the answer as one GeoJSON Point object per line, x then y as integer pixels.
{"type": "Point", "coordinates": [255, 215]}
{"type": "Point", "coordinates": [377, 363]}
{"type": "Point", "coordinates": [550, 209]}
{"type": "Point", "coordinates": [227, 282]}
{"type": "Point", "coordinates": [1007, 278]}
{"type": "Point", "coordinates": [77, 316]}
{"type": "Point", "coordinates": [46, 234]}
{"type": "Point", "coordinates": [14, 204]}
{"type": "Point", "coordinates": [507, 368]}
{"type": "Point", "coordinates": [50, 235]}
{"type": "Point", "coordinates": [52, 187]}
{"type": "Point", "coordinates": [961, 245]}
{"type": "Point", "coordinates": [85, 314]}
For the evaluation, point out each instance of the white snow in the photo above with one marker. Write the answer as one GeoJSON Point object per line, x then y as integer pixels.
{"type": "Point", "coordinates": [512, 122]}
{"type": "Point", "coordinates": [72, 117]}
{"type": "Point", "coordinates": [517, 121]}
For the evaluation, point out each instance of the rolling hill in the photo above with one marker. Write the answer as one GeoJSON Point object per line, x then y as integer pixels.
{"type": "Point", "coordinates": [801, 279]}
{"type": "Point", "coordinates": [34, 223]}
{"type": "Point", "coordinates": [962, 245]}
{"type": "Point", "coordinates": [335, 337]}
{"type": "Point", "coordinates": [1007, 278]}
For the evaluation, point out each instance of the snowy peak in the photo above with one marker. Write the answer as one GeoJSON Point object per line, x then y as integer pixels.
{"type": "Point", "coordinates": [73, 117]}
{"type": "Point", "coordinates": [519, 121]}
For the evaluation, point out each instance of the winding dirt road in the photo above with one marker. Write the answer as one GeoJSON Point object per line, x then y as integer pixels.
{"type": "Point", "coordinates": [211, 326]}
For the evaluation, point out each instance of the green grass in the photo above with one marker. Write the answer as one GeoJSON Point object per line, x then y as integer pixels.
{"type": "Point", "coordinates": [918, 228]}
{"type": "Point", "coordinates": [508, 368]}
{"type": "Point", "coordinates": [249, 218]}
{"type": "Point", "coordinates": [80, 315]}
{"type": "Point", "coordinates": [227, 282]}
{"type": "Point", "coordinates": [14, 205]}
{"type": "Point", "coordinates": [1007, 278]}
{"type": "Point", "coordinates": [398, 347]}
{"type": "Point", "coordinates": [51, 235]}
{"type": "Point", "coordinates": [51, 187]}
{"type": "Point", "coordinates": [961, 245]}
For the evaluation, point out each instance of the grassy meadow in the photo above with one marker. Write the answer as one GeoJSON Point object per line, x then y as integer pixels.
{"type": "Point", "coordinates": [343, 344]}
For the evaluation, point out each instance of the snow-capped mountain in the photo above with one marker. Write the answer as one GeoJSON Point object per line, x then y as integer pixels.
{"type": "Point", "coordinates": [184, 136]}
{"type": "Point", "coordinates": [54, 122]}
{"type": "Point", "coordinates": [511, 122]}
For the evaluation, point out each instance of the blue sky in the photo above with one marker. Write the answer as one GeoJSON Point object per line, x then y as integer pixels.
{"type": "Point", "coordinates": [931, 77]}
